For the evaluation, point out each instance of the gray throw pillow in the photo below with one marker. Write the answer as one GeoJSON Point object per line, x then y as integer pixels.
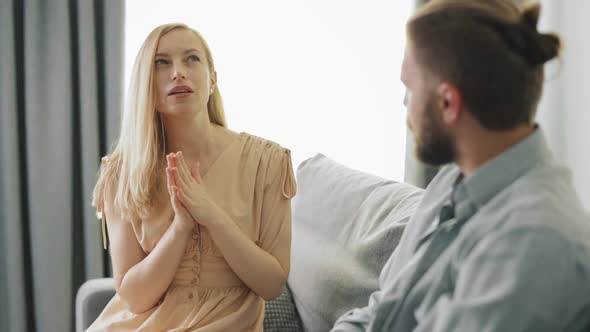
{"type": "Point", "coordinates": [281, 315]}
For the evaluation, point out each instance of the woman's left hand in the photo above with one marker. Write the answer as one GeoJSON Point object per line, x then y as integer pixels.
{"type": "Point", "coordinates": [193, 194]}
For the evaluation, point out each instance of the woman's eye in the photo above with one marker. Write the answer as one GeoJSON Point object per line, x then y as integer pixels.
{"type": "Point", "coordinates": [161, 62]}
{"type": "Point", "coordinates": [193, 58]}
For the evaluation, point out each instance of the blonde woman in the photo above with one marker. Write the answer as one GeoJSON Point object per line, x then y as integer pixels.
{"type": "Point", "coordinates": [198, 216]}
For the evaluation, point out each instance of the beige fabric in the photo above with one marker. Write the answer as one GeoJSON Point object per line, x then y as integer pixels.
{"type": "Point", "coordinates": [253, 181]}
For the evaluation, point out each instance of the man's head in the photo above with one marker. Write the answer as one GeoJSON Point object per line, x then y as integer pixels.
{"type": "Point", "coordinates": [481, 58]}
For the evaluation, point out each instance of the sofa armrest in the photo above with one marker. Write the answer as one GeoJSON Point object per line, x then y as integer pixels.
{"type": "Point", "coordinates": [91, 299]}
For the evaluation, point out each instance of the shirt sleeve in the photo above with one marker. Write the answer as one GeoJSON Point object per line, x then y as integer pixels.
{"type": "Point", "coordinates": [513, 281]}
{"type": "Point", "coordinates": [361, 319]}
{"type": "Point", "coordinates": [358, 319]}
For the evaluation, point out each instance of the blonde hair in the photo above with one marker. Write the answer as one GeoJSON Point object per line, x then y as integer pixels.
{"type": "Point", "coordinates": [131, 173]}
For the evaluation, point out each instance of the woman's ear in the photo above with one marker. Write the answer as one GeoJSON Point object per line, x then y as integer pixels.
{"type": "Point", "coordinates": [213, 83]}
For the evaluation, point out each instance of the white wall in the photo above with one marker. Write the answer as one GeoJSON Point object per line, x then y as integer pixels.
{"type": "Point", "coordinates": [315, 76]}
{"type": "Point", "coordinates": [565, 108]}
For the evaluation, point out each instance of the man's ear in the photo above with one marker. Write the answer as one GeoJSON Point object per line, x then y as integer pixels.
{"type": "Point", "coordinates": [450, 102]}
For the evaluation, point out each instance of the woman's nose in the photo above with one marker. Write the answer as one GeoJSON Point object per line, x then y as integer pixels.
{"type": "Point", "coordinates": [178, 72]}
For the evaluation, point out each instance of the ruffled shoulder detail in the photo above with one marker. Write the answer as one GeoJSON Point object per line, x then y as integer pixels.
{"type": "Point", "coordinates": [288, 182]}
{"type": "Point", "coordinates": [276, 160]}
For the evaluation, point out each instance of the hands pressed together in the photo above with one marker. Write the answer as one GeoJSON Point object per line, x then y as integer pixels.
{"type": "Point", "coordinates": [190, 201]}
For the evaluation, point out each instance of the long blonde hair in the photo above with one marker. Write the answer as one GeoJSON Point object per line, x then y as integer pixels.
{"type": "Point", "coordinates": [134, 169]}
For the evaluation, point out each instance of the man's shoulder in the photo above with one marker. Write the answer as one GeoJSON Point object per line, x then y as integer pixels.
{"type": "Point", "coordinates": [544, 193]}
{"type": "Point", "coordinates": [541, 201]}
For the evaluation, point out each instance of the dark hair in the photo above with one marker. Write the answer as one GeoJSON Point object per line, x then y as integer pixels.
{"type": "Point", "coordinates": [490, 50]}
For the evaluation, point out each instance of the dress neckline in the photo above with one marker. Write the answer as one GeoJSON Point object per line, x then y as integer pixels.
{"type": "Point", "coordinates": [222, 154]}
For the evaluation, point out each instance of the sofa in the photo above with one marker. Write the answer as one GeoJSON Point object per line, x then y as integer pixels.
{"type": "Point", "coordinates": [346, 224]}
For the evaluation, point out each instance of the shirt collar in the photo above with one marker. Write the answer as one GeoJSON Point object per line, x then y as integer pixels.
{"type": "Point", "coordinates": [502, 170]}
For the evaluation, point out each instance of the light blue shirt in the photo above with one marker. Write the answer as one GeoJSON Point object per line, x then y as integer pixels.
{"type": "Point", "coordinates": [515, 256]}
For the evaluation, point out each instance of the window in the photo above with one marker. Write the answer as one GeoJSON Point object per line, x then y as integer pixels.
{"type": "Point", "coordinates": [314, 76]}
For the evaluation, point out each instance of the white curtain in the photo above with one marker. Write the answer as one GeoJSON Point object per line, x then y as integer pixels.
{"type": "Point", "coordinates": [564, 111]}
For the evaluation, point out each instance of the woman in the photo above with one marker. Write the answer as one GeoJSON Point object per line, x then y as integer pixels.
{"type": "Point", "coordinates": [198, 216]}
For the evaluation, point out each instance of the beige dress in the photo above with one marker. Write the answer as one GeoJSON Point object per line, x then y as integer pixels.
{"type": "Point", "coordinates": [253, 181]}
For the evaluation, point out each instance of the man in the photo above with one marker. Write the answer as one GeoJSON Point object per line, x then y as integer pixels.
{"type": "Point", "coordinates": [500, 241]}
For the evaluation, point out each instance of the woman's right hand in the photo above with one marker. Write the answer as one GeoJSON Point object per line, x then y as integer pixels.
{"type": "Point", "coordinates": [183, 222]}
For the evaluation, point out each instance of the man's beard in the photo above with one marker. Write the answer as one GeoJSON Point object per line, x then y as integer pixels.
{"type": "Point", "coordinates": [435, 146]}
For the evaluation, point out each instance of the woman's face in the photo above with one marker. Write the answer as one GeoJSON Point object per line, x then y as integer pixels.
{"type": "Point", "coordinates": [182, 76]}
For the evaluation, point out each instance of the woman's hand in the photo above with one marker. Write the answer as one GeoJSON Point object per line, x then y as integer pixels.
{"type": "Point", "coordinates": [183, 221]}
{"type": "Point", "coordinates": [193, 194]}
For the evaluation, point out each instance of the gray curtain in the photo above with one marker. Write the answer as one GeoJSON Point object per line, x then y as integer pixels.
{"type": "Point", "coordinates": [61, 63]}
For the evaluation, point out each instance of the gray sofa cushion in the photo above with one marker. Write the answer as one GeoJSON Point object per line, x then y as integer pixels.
{"type": "Point", "coordinates": [346, 224]}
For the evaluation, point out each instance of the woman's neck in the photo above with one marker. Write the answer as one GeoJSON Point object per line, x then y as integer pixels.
{"type": "Point", "coordinates": [194, 135]}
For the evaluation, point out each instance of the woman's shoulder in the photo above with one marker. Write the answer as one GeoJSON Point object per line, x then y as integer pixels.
{"type": "Point", "coordinates": [267, 147]}
{"type": "Point", "coordinates": [273, 160]}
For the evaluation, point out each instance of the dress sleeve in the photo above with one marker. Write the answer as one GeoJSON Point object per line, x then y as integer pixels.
{"type": "Point", "coordinates": [280, 188]}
